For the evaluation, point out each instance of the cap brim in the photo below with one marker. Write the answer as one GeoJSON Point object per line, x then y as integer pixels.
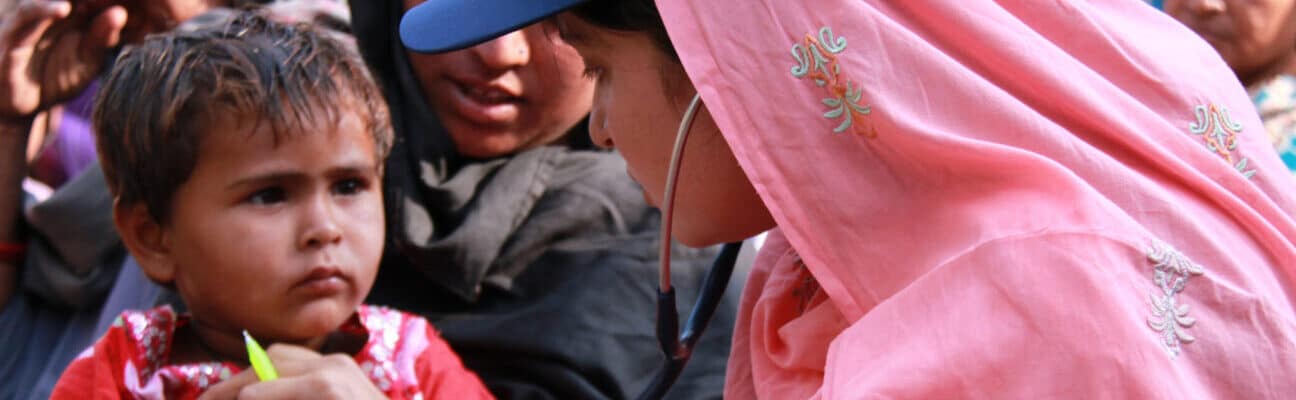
{"type": "Point", "coordinates": [444, 25]}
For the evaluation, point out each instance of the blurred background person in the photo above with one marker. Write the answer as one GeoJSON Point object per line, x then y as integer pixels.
{"type": "Point", "coordinates": [1257, 38]}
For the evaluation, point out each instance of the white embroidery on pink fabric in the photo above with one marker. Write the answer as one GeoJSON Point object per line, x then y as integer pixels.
{"type": "Point", "coordinates": [1171, 270]}
{"type": "Point", "coordinates": [816, 58]}
{"type": "Point", "coordinates": [1219, 132]}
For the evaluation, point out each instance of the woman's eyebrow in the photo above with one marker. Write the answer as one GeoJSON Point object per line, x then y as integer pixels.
{"type": "Point", "coordinates": [576, 37]}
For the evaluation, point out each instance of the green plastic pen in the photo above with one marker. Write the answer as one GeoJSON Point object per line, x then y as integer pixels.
{"type": "Point", "coordinates": [265, 371]}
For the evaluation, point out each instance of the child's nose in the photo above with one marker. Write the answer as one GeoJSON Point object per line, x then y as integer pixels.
{"type": "Point", "coordinates": [320, 225]}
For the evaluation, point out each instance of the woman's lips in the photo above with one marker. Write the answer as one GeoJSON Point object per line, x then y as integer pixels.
{"type": "Point", "coordinates": [1214, 29]}
{"type": "Point", "coordinates": [484, 103]}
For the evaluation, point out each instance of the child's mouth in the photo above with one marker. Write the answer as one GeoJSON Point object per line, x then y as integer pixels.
{"type": "Point", "coordinates": [323, 281]}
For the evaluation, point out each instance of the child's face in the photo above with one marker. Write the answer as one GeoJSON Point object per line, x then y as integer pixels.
{"type": "Point", "coordinates": [1250, 35]}
{"type": "Point", "coordinates": [639, 98]}
{"type": "Point", "coordinates": [281, 240]}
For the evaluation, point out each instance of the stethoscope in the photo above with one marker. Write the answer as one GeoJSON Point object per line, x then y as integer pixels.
{"type": "Point", "coordinates": [678, 346]}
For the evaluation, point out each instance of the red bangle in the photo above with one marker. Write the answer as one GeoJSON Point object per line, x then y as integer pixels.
{"type": "Point", "coordinates": [12, 252]}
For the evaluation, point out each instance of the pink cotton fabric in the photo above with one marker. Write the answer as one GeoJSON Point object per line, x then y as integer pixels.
{"type": "Point", "coordinates": [1013, 217]}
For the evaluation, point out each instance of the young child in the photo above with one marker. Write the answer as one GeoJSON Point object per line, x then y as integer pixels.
{"type": "Point", "coordinates": [245, 161]}
{"type": "Point", "coordinates": [968, 199]}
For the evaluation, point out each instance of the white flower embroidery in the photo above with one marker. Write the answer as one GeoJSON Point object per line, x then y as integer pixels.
{"type": "Point", "coordinates": [1171, 272]}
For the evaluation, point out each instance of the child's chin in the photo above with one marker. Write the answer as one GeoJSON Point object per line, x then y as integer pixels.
{"type": "Point", "coordinates": [320, 318]}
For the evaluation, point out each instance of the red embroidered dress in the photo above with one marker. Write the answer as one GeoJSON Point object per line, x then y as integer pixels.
{"type": "Point", "coordinates": [404, 357]}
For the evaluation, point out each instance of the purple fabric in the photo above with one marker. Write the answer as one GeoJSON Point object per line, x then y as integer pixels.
{"type": "Point", "coordinates": [75, 145]}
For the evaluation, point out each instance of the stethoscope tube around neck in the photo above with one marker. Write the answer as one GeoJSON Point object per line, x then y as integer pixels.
{"type": "Point", "coordinates": [678, 347]}
{"type": "Point", "coordinates": [668, 199]}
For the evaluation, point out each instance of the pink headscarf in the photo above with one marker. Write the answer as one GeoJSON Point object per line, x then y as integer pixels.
{"type": "Point", "coordinates": [1012, 199]}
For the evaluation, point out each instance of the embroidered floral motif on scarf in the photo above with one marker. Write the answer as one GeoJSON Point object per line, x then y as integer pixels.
{"type": "Point", "coordinates": [817, 60]}
{"type": "Point", "coordinates": [1220, 133]}
{"type": "Point", "coordinates": [1276, 101]}
{"type": "Point", "coordinates": [1171, 270]}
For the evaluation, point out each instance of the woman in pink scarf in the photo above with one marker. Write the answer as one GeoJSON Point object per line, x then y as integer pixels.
{"type": "Point", "coordinates": [971, 199]}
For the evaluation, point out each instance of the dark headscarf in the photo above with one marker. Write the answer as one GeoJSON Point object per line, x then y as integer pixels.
{"type": "Point", "coordinates": [447, 215]}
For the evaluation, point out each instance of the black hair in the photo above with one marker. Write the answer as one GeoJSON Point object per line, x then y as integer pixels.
{"type": "Point", "coordinates": [164, 95]}
{"type": "Point", "coordinates": [629, 16]}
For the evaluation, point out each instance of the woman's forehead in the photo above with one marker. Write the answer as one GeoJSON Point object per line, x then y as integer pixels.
{"type": "Point", "coordinates": [580, 33]}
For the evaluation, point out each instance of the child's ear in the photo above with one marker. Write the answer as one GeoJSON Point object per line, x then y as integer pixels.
{"type": "Point", "coordinates": [146, 239]}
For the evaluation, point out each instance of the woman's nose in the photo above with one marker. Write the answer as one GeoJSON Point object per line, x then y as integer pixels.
{"type": "Point", "coordinates": [1205, 6]}
{"type": "Point", "coordinates": [505, 52]}
{"type": "Point", "coordinates": [598, 130]}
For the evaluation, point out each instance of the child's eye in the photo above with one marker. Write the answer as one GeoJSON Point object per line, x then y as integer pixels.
{"type": "Point", "coordinates": [267, 196]}
{"type": "Point", "coordinates": [592, 72]}
{"type": "Point", "coordinates": [349, 186]}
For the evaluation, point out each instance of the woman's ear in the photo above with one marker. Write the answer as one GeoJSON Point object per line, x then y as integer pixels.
{"type": "Point", "coordinates": [146, 239]}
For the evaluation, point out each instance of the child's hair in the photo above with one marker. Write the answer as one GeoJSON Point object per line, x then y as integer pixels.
{"type": "Point", "coordinates": [166, 94]}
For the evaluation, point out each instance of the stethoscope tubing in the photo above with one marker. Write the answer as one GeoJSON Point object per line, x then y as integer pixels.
{"type": "Point", "coordinates": [678, 347]}
{"type": "Point", "coordinates": [668, 199]}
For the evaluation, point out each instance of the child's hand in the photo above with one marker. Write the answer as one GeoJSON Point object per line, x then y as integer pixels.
{"type": "Point", "coordinates": [303, 374]}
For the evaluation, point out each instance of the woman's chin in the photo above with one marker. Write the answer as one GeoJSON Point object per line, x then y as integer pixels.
{"type": "Point", "coordinates": [697, 239]}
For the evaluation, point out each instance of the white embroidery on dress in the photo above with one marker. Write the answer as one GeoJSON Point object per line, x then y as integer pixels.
{"type": "Point", "coordinates": [386, 322]}
{"type": "Point", "coordinates": [1171, 272]}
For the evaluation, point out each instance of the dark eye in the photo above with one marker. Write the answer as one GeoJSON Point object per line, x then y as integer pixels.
{"type": "Point", "coordinates": [349, 186]}
{"type": "Point", "coordinates": [267, 196]}
{"type": "Point", "coordinates": [592, 72]}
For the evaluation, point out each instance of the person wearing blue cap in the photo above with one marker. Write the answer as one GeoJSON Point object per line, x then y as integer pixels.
{"type": "Point", "coordinates": [530, 250]}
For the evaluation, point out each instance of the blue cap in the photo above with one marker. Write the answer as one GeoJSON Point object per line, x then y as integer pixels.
{"type": "Point", "coordinates": [443, 25]}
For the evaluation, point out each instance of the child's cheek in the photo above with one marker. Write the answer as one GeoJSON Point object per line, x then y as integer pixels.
{"type": "Point", "coordinates": [368, 225]}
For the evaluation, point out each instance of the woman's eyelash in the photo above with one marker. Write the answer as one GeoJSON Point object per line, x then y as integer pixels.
{"type": "Point", "coordinates": [592, 72]}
